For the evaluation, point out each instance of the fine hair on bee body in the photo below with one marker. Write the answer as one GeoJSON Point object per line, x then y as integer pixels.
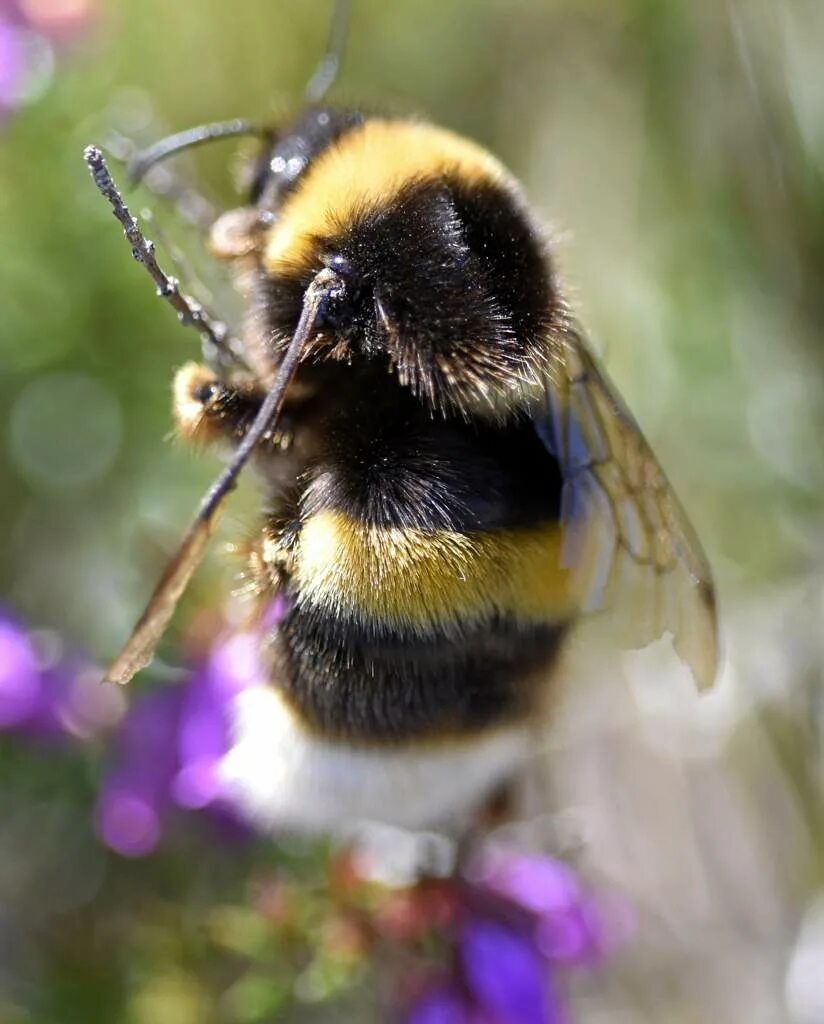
{"type": "Point", "coordinates": [450, 479]}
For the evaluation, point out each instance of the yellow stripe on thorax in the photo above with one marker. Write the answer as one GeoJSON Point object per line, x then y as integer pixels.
{"type": "Point", "coordinates": [363, 171]}
{"type": "Point", "coordinates": [416, 578]}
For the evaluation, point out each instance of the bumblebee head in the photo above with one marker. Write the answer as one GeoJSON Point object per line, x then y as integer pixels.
{"type": "Point", "coordinates": [288, 151]}
{"type": "Point", "coordinates": [445, 276]}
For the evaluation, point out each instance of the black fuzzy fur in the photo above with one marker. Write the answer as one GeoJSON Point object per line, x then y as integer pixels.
{"type": "Point", "coordinates": [448, 281]}
{"type": "Point", "coordinates": [386, 461]}
{"type": "Point", "coordinates": [348, 683]}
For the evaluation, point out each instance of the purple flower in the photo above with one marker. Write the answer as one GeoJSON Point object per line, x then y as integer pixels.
{"type": "Point", "coordinates": [45, 694]}
{"type": "Point", "coordinates": [445, 1004]}
{"type": "Point", "coordinates": [567, 922]}
{"type": "Point", "coordinates": [206, 719]}
{"type": "Point", "coordinates": [29, 32]}
{"type": "Point", "coordinates": [170, 748]}
{"type": "Point", "coordinates": [202, 741]}
{"type": "Point", "coordinates": [45, 720]}
{"type": "Point", "coordinates": [26, 65]}
{"type": "Point", "coordinates": [506, 974]}
{"type": "Point", "coordinates": [21, 681]}
{"type": "Point", "coordinates": [135, 797]}
{"type": "Point", "coordinates": [520, 919]}
{"type": "Point", "coordinates": [11, 63]}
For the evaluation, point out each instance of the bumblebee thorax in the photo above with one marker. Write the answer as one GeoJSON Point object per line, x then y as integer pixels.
{"type": "Point", "coordinates": [445, 269]}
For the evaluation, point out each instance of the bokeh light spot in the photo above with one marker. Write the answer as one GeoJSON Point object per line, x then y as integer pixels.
{"type": "Point", "coordinates": [26, 65]}
{"type": "Point", "coordinates": [19, 676]}
{"type": "Point", "coordinates": [59, 19]}
{"type": "Point", "coordinates": [65, 431]}
{"type": "Point", "coordinates": [129, 824]}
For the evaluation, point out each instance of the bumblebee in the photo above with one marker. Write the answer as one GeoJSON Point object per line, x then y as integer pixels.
{"type": "Point", "coordinates": [450, 480]}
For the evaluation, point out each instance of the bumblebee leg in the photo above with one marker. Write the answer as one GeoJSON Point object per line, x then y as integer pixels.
{"type": "Point", "coordinates": [208, 409]}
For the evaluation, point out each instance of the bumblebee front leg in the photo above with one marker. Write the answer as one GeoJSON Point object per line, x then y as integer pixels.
{"type": "Point", "coordinates": [208, 409]}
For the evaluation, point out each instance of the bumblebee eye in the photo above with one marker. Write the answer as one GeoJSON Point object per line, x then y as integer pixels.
{"type": "Point", "coordinates": [348, 302]}
{"type": "Point", "coordinates": [204, 393]}
{"type": "Point", "coordinates": [341, 266]}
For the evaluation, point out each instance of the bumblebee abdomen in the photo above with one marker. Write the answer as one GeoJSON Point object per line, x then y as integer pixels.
{"type": "Point", "coordinates": [372, 683]}
{"type": "Point", "coordinates": [424, 576]}
{"type": "Point", "coordinates": [428, 581]}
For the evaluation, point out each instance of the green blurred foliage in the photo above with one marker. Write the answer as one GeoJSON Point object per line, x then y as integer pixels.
{"type": "Point", "coordinates": [677, 150]}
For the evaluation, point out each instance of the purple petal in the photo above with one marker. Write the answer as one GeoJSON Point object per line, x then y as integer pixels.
{"type": "Point", "coordinates": [198, 784]}
{"type": "Point", "coordinates": [71, 701]}
{"type": "Point", "coordinates": [568, 925]}
{"type": "Point", "coordinates": [26, 65]}
{"type": "Point", "coordinates": [45, 719]}
{"type": "Point", "coordinates": [136, 794]}
{"type": "Point", "coordinates": [21, 682]}
{"type": "Point", "coordinates": [147, 738]}
{"type": "Point", "coordinates": [203, 739]}
{"type": "Point", "coordinates": [443, 1005]}
{"type": "Point", "coordinates": [539, 884]}
{"type": "Point", "coordinates": [235, 664]}
{"type": "Point", "coordinates": [507, 975]}
{"type": "Point", "coordinates": [12, 62]}
{"type": "Point", "coordinates": [46, 695]}
{"type": "Point", "coordinates": [128, 822]}
{"type": "Point", "coordinates": [206, 718]}
{"type": "Point", "coordinates": [573, 936]}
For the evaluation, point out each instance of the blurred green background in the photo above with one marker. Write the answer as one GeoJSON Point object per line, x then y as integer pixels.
{"type": "Point", "coordinates": [676, 149]}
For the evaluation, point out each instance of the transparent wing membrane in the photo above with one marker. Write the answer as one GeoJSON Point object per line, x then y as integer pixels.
{"type": "Point", "coordinates": [628, 544]}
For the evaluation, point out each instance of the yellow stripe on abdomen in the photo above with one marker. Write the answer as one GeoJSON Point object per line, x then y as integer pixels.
{"type": "Point", "coordinates": [425, 579]}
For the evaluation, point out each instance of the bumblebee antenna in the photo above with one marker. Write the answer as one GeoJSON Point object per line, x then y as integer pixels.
{"type": "Point", "coordinates": [143, 161]}
{"type": "Point", "coordinates": [140, 647]}
{"type": "Point", "coordinates": [327, 71]}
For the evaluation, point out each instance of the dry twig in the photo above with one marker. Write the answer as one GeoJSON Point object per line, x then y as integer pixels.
{"type": "Point", "coordinates": [190, 312]}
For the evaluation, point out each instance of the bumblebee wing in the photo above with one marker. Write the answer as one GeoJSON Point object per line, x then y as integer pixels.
{"type": "Point", "coordinates": [627, 543]}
